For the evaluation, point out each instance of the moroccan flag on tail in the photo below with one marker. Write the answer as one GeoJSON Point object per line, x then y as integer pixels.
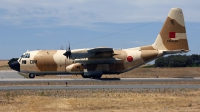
{"type": "Point", "coordinates": [172, 35]}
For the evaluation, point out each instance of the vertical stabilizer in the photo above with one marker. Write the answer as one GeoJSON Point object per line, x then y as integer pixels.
{"type": "Point", "coordinates": [173, 33]}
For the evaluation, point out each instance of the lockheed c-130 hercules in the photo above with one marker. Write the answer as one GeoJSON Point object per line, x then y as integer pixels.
{"type": "Point", "coordinates": [94, 62]}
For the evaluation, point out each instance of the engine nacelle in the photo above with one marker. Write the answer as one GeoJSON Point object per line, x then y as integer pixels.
{"type": "Point", "coordinates": [78, 68]}
{"type": "Point", "coordinates": [75, 68]}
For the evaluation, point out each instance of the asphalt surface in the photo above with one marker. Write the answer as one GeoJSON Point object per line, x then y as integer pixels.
{"type": "Point", "coordinates": [9, 74]}
{"type": "Point", "coordinates": [22, 80]}
{"type": "Point", "coordinates": [12, 77]}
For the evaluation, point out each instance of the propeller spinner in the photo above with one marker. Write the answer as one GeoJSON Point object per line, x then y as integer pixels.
{"type": "Point", "coordinates": [68, 52]}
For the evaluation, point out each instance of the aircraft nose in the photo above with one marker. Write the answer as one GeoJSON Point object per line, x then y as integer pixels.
{"type": "Point", "coordinates": [14, 64]}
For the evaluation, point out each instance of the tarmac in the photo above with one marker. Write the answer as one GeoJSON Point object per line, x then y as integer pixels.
{"type": "Point", "coordinates": [13, 77]}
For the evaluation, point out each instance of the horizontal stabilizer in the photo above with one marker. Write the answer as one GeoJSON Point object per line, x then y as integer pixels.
{"type": "Point", "coordinates": [175, 51]}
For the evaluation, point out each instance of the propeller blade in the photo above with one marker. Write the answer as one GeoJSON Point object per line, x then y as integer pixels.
{"type": "Point", "coordinates": [69, 47]}
{"type": "Point", "coordinates": [68, 52]}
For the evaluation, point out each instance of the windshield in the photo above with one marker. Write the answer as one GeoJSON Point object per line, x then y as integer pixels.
{"type": "Point", "coordinates": [26, 55]}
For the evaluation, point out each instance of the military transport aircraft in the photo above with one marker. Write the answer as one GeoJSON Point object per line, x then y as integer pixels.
{"type": "Point", "coordinates": [94, 62]}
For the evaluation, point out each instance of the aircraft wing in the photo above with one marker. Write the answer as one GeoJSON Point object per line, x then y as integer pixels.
{"type": "Point", "coordinates": [99, 52]}
{"type": "Point", "coordinates": [98, 61]}
{"type": "Point", "coordinates": [99, 55]}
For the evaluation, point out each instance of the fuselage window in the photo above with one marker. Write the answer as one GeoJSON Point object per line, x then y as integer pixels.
{"type": "Point", "coordinates": [23, 61]}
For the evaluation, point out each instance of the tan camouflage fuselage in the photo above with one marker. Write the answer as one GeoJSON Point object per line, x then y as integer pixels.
{"type": "Point", "coordinates": [53, 61]}
{"type": "Point", "coordinates": [171, 39]}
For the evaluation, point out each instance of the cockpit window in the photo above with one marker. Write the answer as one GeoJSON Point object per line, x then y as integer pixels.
{"type": "Point", "coordinates": [26, 55]}
{"type": "Point", "coordinates": [23, 61]}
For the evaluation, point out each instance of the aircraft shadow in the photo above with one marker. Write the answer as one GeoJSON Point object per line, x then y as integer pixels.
{"type": "Point", "coordinates": [108, 79]}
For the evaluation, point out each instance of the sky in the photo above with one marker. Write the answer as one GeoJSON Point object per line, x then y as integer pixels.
{"type": "Point", "coordinates": [52, 24]}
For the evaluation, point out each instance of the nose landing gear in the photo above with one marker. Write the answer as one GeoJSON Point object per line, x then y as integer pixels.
{"type": "Point", "coordinates": [31, 75]}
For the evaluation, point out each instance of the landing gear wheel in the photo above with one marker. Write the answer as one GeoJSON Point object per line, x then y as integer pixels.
{"type": "Point", "coordinates": [31, 76]}
{"type": "Point", "coordinates": [85, 76]}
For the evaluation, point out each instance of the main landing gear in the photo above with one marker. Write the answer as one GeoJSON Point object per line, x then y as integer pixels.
{"type": "Point", "coordinates": [91, 76]}
{"type": "Point", "coordinates": [85, 76]}
{"type": "Point", "coordinates": [31, 75]}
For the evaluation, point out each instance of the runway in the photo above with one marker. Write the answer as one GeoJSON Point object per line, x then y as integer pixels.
{"type": "Point", "coordinates": [9, 74]}
{"type": "Point", "coordinates": [23, 80]}
{"type": "Point", "coordinates": [62, 87]}
{"type": "Point", "coordinates": [118, 86]}
{"type": "Point", "coordinates": [11, 77]}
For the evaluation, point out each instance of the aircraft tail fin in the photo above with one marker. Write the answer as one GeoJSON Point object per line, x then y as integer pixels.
{"type": "Point", "coordinates": [173, 33]}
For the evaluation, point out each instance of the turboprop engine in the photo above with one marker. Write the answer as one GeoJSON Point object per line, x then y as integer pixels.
{"type": "Point", "coordinates": [78, 68]}
{"type": "Point", "coordinates": [75, 68]}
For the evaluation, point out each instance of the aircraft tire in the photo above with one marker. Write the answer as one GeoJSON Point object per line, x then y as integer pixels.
{"type": "Point", "coordinates": [85, 76]}
{"type": "Point", "coordinates": [31, 76]}
{"type": "Point", "coordinates": [96, 76]}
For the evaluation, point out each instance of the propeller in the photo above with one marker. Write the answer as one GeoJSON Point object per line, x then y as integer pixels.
{"type": "Point", "coordinates": [68, 52]}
